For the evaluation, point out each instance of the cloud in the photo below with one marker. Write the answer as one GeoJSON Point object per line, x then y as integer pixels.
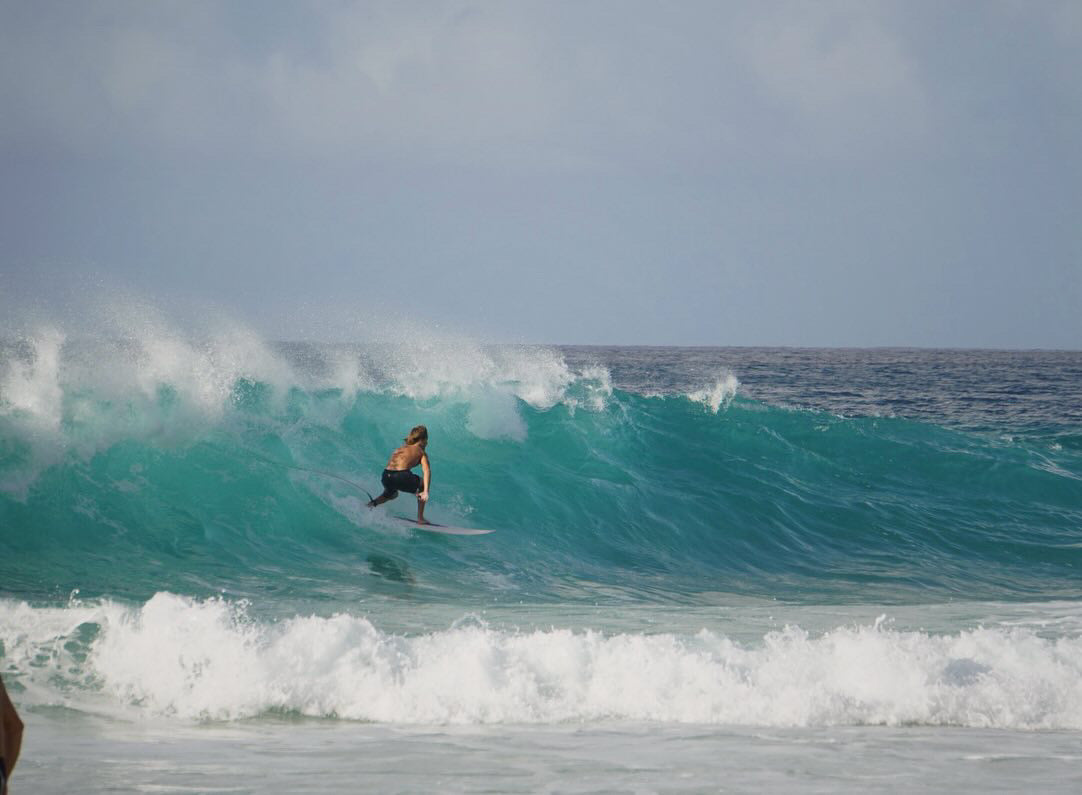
{"type": "Point", "coordinates": [430, 77]}
{"type": "Point", "coordinates": [839, 74]}
{"type": "Point", "coordinates": [504, 86]}
{"type": "Point", "coordinates": [374, 79]}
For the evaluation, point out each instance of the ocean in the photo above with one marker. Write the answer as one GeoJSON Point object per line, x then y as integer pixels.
{"type": "Point", "coordinates": [713, 569]}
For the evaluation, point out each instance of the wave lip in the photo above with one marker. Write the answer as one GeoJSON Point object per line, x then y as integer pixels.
{"type": "Point", "coordinates": [190, 659]}
{"type": "Point", "coordinates": [48, 381]}
{"type": "Point", "coordinates": [720, 395]}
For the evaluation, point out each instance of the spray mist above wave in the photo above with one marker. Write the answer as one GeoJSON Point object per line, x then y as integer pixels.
{"type": "Point", "coordinates": [185, 658]}
{"type": "Point", "coordinates": [139, 377]}
{"type": "Point", "coordinates": [40, 370]}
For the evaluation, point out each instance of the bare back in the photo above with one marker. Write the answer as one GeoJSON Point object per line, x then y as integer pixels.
{"type": "Point", "coordinates": [406, 457]}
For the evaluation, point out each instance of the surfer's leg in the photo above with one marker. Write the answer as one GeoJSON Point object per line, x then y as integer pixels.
{"type": "Point", "coordinates": [390, 489]}
{"type": "Point", "coordinates": [414, 486]}
{"type": "Point", "coordinates": [386, 496]}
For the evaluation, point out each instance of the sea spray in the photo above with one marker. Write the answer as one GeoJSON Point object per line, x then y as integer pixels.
{"type": "Point", "coordinates": [720, 395]}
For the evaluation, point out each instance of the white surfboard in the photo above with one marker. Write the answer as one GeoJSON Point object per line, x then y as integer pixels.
{"type": "Point", "coordinates": [433, 527]}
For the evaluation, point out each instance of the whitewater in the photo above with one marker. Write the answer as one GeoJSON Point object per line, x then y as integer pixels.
{"type": "Point", "coordinates": [714, 569]}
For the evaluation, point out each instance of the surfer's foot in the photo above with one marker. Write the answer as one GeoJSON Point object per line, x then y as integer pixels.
{"type": "Point", "coordinates": [371, 504]}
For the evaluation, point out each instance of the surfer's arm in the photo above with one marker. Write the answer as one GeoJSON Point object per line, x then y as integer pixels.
{"type": "Point", "coordinates": [426, 473]}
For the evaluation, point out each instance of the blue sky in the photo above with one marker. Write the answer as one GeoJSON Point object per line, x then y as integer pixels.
{"type": "Point", "coordinates": [717, 173]}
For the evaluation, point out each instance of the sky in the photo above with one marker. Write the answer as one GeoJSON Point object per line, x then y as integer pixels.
{"type": "Point", "coordinates": [600, 172]}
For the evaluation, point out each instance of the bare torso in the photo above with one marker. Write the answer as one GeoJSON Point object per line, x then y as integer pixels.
{"type": "Point", "coordinates": [406, 457]}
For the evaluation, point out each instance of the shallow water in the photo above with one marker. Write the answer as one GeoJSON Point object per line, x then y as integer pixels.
{"type": "Point", "coordinates": [79, 754]}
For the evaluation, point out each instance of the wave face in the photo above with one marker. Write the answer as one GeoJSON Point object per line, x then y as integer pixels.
{"type": "Point", "coordinates": [149, 462]}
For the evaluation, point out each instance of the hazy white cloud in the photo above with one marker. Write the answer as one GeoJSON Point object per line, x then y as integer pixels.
{"type": "Point", "coordinates": [841, 74]}
{"type": "Point", "coordinates": [431, 79]}
{"type": "Point", "coordinates": [454, 80]}
{"type": "Point", "coordinates": [441, 79]}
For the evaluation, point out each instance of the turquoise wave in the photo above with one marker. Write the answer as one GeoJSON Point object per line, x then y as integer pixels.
{"type": "Point", "coordinates": [600, 495]}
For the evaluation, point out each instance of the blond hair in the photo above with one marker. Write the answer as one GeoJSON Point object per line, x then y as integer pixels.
{"type": "Point", "coordinates": [418, 433]}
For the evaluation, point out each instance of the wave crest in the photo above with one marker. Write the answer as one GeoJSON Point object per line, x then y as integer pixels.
{"type": "Point", "coordinates": [720, 394]}
{"type": "Point", "coordinates": [146, 381]}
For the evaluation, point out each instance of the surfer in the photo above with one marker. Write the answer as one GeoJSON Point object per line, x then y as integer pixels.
{"type": "Point", "coordinates": [398, 477]}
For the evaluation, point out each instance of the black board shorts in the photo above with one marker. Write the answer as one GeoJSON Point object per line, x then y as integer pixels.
{"type": "Point", "coordinates": [396, 480]}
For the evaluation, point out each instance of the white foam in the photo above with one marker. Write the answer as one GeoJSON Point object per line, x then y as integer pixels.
{"type": "Point", "coordinates": [720, 394]}
{"type": "Point", "coordinates": [176, 656]}
{"type": "Point", "coordinates": [117, 379]}
{"type": "Point", "coordinates": [457, 367]}
{"type": "Point", "coordinates": [203, 371]}
{"type": "Point", "coordinates": [491, 380]}
{"type": "Point", "coordinates": [346, 373]}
